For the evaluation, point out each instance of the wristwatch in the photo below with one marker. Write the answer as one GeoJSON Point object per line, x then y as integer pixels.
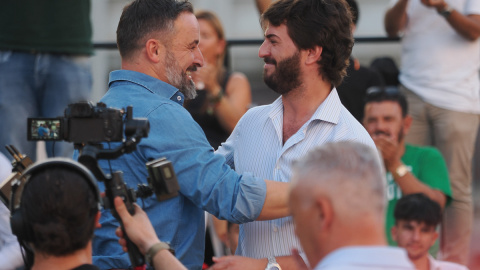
{"type": "Point", "coordinates": [272, 264]}
{"type": "Point", "coordinates": [446, 12]}
{"type": "Point", "coordinates": [400, 171]}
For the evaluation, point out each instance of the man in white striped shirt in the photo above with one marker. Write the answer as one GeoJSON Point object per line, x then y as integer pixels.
{"type": "Point", "coordinates": [306, 50]}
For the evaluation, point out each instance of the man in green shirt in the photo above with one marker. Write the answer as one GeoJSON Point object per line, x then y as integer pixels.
{"type": "Point", "coordinates": [410, 168]}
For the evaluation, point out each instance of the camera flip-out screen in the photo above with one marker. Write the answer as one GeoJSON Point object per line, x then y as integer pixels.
{"type": "Point", "coordinates": [44, 129]}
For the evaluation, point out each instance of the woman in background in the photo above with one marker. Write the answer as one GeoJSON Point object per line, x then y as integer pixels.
{"type": "Point", "coordinates": [223, 97]}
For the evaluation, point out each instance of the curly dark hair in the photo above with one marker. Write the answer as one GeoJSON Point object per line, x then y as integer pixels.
{"type": "Point", "coordinates": [60, 207]}
{"type": "Point", "coordinates": [324, 23]}
{"type": "Point", "coordinates": [143, 17]}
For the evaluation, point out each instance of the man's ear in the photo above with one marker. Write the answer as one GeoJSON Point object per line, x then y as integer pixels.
{"type": "Point", "coordinates": [314, 55]}
{"type": "Point", "coordinates": [435, 237]}
{"type": "Point", "coordinates": [154, 50]}
{"type": "Point", "coordinates": [393, 233]}
{"type": "Point", "coordinates": [221, 46]}
{"type": "Point", "coordinates": [407, 123]}
{"type": "Point", "coordinates": [97, 220]}
{"type": "Point", "coordinates": [324, 213]}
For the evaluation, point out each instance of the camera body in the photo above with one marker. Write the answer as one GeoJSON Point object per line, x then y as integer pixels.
{"type": "Point", "coordinates": [84, 123]}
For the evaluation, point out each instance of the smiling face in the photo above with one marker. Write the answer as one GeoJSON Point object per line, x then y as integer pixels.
{"type": "Point", "coordinates": [282, 70]}
{"type": "Point", "coordinates": [183, 55]}
{"type": "Point", "coordinates": [415, 237]}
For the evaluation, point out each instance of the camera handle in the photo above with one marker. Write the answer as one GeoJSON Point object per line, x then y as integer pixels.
{"type": "Point", "coordinates": [114, 186]}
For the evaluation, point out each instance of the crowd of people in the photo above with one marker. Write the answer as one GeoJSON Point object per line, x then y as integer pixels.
{"type": "Point", "coordinates": [346, 169]}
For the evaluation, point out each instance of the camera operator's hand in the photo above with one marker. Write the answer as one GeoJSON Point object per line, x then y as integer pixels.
{"type": "Point", "coordinates": [140, 231]}
{"type": "Point", "coordinates": [138, 227]}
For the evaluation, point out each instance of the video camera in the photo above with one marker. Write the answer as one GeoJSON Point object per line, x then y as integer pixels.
{"type": "Point", "coordinates": [85, 123]}
{"type": "Point", "coordinates": [88, 126]}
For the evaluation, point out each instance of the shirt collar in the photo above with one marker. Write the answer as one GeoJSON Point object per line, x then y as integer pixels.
{"type": "Point", "coordinates": [362, 255]}
{"type": "Point", "coordinates": [328, 111]}
{"type": "Point", "coordinates": [150, 83]}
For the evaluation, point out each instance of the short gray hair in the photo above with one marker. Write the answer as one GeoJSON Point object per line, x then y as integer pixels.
{"type": "Point", "coordinates": [350, 173]}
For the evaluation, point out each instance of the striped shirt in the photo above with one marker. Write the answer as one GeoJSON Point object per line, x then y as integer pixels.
{"type": "Point", "coordinates": [255, 146]}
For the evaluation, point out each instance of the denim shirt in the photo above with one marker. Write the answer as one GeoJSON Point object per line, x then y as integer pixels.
{"type": "Point", "coordinates": [206, 182]}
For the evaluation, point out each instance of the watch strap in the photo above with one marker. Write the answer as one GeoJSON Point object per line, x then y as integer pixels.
{"type": "Point", "coordinates": [272, 264]}
{"type": "Point", "coordinates": [400, 171]}
{"type": "Point", "coordinates": [446, 12]}
{"type": "Point", "coordinates": [153, 250]}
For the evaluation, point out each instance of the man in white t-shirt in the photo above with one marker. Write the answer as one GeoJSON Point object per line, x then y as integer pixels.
{"type": "Point", "coordinates": [439, 76]}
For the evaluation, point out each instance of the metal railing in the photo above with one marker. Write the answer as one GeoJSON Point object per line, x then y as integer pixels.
{"type": "Point", "coordinates": [247, 42]}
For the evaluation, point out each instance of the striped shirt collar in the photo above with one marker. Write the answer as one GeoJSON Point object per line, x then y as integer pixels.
{"type": "Point", "coordinates": [328, 111]}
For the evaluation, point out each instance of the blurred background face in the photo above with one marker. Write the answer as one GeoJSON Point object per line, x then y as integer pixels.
{"type": "Point", "coordinates": [415, 237]}
{"type": "Point", "coordinates": [384, 118]}
{"type": "Point", "coordinates": [211, 45]}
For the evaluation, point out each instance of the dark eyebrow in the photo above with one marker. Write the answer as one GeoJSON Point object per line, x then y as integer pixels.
{"type": "Point", "coordinates": [270, 36]}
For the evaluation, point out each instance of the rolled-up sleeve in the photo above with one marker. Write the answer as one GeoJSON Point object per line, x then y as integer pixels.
{"type": "Point", "coordinates": [204, 177]}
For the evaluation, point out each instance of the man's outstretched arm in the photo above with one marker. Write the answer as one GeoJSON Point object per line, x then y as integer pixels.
{"type": "Point", "coordinates": [276, 201]}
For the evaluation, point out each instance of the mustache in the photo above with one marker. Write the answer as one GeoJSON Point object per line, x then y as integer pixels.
{"type": "Point", "coordinates": [192, 68]}
{"type": "Point", "coordinates": [269, 60]}
{"type": "Point", "coordinates": [379, 132]}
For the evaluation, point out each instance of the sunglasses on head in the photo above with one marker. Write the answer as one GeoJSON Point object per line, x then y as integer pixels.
{"type": "Point", "coordinates": [387, 90]}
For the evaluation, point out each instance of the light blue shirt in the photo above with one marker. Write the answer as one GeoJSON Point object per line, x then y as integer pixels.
{"type": "Point", "coordinates": [366, 258]}
{"type": "Point", "coordinates": [256, 145]}
{"type": "Point", "coordinates": [206, 182]}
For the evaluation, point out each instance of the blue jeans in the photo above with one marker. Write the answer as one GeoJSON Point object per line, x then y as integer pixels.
{"type": "Point", "coordinates": [39, 85]}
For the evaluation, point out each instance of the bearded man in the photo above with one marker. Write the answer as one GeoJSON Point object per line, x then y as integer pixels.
{"type": "Point", "coordinates": [306, 50]}
{"type": "Point", "coordinates": [410, 168]}
{"type": "Point", "coordinates": [158, 43]}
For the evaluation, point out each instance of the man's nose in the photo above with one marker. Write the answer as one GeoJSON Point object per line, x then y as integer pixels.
{"type": "Point", "coordinates": [416, 235]}
{"type": "Point", "coordinates": [198, 58]}
{"type": "Point", "coordinates": [264, 50]}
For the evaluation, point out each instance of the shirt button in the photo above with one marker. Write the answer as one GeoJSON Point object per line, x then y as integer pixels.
{"type": "Point", "coordinates": [275, 228]}
{"type": "Point", "coordinates": [179, 98]}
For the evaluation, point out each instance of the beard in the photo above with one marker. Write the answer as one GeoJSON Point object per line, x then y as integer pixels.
{"type": "Point", "coordinates": [286, 75]}
{"type": "Point", "coordinates": [179, 79]}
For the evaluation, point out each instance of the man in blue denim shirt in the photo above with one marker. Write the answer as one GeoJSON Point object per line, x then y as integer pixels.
{"type": "Point", "coordinates": [158, 42]}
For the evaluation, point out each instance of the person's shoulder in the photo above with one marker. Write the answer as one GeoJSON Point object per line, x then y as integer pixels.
{"type": "Point", "coordinates": [144, 103]}
{"type": "Point", "coordinates": [444, 265]}
{"type": "Point", "coordinates": [237, 82]}
{"type": "Point", "coordinates": [424, 151]}
{"type": "Point", "coordinates": [237, 76]}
